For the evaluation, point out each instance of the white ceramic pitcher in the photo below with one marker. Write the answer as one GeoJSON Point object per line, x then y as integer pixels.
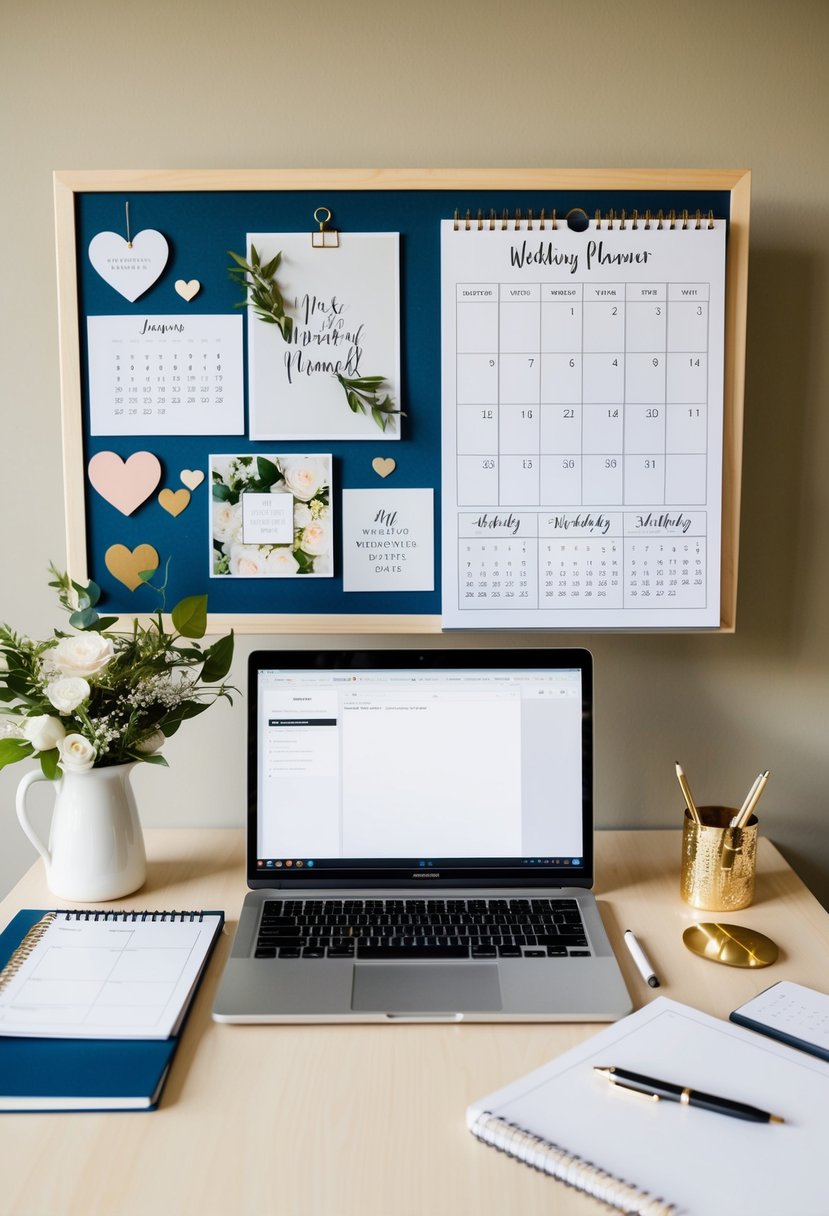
{"type": "Point", "coordinates": [96, 846]}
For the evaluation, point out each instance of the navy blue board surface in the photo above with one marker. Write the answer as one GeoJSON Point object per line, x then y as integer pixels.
{"type": "Point", "coordinates": [200, 228]}
{"type": "Point", "coordinates": [39, 1074]}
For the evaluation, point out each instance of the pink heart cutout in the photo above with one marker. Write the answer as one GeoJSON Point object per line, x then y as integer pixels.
{"type": "Point", "coordinates": [125, 484]}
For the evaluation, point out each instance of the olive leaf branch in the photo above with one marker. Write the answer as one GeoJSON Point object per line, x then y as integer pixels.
{"type": "Point", "coordinates": [362, 393]}
{"type": "Point", "coordinates": [261, 289]}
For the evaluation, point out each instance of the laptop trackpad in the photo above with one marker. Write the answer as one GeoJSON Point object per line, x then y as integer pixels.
{"type": "Point", "coordinates": [421, 988]}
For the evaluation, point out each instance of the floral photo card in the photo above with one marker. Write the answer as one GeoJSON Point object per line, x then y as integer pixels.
{"type": "Point", "coordinates": [271, 516]}
{"type": "Point", "coordinates": [323, 336]}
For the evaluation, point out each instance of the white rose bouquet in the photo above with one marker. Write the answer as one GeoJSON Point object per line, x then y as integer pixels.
{"type": "Point", "coordinates": [97, 698]}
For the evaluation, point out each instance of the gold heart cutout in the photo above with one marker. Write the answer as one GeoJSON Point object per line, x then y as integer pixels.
{"type": "Point", "coordinates": [383, 465]}
{"type": "Point", "coordinates": [174, 501]}
{"type": "Point", "coordinates": [187, 289]}
{"type": "Point", "coordinates": [128, 564]}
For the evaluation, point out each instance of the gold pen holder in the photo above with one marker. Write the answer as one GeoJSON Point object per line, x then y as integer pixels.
{"type": "Point", "coordinates": [718, 862]}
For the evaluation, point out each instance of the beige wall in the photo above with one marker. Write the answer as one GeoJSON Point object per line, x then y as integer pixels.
{"type": "Point", "coordinates": [96, 84]}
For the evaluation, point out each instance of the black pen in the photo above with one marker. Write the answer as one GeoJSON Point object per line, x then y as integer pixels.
{"type": "Point", "coordinates": [688, 1097]}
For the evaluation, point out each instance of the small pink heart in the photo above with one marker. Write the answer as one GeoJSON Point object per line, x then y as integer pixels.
{"type": "Point", "coordinates": [125, 484]}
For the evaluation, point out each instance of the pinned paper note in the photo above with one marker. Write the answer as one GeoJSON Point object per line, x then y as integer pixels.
{"type": "Point", "coordinates": [174, 501]}
{"type": "Point", "coordinates": [125, 483]}
{"type": "Point", "coordinates": [127, 565]}
{"type": "Point", "coordinates": [188, 289]}
{"type": "Point", "coordinates": [388, 540]}
{"type": "Point", "coordinates": [130, 267]}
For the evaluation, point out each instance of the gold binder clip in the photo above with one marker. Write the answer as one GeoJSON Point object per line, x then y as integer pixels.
{"type": "Point", "coordinates": [326, 238]}
{"type": "Point", "coordinates": [542, 219]}
{"type": "Point", "coordinates": [710, 219]}
{"type": "Point", "coordinates": [555, 221]}
{"type": "Point", "coordinates": [492, 221]}
{"type": "Point", "coordinates": [673, 219]}
{"type": "Point", "coordinates": [480, 221]}
{"type": "Point", "coordinates": [635, 221]}
{"type": "Point", "coordinates": [456, 220]}
{"type": "Point", "coordinates": [684, 219]}
{"type": "Point", "coordinates": [647, 220]}
{"type": "Point", "coordinates": [623, 220]}
{"type": "Point", "coordinates": [517, 219]}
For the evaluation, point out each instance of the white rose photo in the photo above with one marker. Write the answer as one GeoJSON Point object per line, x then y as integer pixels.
{"type": "Point", "coordinates": [307, 480]}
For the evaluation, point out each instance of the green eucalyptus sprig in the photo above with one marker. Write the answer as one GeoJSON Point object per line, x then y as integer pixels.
{"type": "Point", "coordinates": [261, 289]}
{"type": "Point", "coordinates": [362, 394]}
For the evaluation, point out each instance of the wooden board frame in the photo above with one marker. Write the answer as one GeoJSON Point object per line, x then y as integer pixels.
{"type": "Point", "coordinates": [68, 184]}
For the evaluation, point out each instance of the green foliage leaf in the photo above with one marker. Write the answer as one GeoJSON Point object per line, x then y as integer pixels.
{"type": "Point", "coordinates": [153, 759]}
{"type": "Point", "coordinates": [50, 764]}
{"type": "Point", "coordinates": [190, 616]}
{"type": "Point", "coordinates": [217, 660]}
{"type": "Point", "coordinates": [12, 750]}
{"type": "Point", "coordinates": [269, 474]}
{"type": "Point", "coordinates": [221, 492]}
{"type": "Point", "coordinates": [86, 618]}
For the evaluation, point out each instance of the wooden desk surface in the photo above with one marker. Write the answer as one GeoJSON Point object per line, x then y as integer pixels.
{"type": "Point", "coordinates": [363, 1120]}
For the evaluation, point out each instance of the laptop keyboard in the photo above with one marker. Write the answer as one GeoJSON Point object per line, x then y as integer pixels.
{"type": "Point", "coordinates": [421, 928]}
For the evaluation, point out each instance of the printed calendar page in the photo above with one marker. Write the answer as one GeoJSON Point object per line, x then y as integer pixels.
{"type": "Point", "coordinates": [166, 375]}
{"type": "Point", "coordinates": [582, 387]}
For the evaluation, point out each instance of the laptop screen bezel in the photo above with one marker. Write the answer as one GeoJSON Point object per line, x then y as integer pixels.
{"type": "Point", "coordinates": [395, 876]}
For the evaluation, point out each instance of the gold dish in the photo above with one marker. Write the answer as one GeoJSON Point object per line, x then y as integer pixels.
{"type": "Point", "coordinates": [733, 945]}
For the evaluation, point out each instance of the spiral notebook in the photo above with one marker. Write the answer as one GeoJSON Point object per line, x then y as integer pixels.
{"type": "Point", "coordinates": [583, 405]}
{"type": "Point", "coordinates": [102, 975]}
{"type": "Point", "coordinates": [48, 1059]}
{"type": "Point", "coordinates": [656, 1158]}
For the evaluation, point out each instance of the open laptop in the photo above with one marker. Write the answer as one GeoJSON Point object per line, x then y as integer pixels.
{"type": "Point", "coordinates": [420, 841]}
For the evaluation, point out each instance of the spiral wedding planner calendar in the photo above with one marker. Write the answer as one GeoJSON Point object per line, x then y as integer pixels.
{"type": "Point", "coordinates": [582, 387]}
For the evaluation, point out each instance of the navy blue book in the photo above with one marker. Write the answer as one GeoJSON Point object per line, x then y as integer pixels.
{"type": "Point", "coordinates": [75, 1037]}
{"type": "Point", "coordinates": [790, 1013]}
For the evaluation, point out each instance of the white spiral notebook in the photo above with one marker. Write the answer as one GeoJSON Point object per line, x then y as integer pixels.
{"type": "Point", "coordinates": [105, 975]}
{"type": "Point", "coordinates": [655, 1158]}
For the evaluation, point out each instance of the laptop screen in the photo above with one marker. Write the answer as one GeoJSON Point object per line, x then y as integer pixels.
{"type": "Point", "coordinates": [420, 767]}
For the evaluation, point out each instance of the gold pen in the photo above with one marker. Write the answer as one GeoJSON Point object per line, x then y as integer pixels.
{"type": "Point", "coordinates": [686, 793]}
{"type": "Point", "coordinates": [753, 797]}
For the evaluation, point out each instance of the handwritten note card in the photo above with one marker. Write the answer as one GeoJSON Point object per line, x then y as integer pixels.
{"type": "Point", "coordinates": [345, 308]}
{"type": "Point", "coordinates": [166, 375]}
{"type": "Point", "coordinates": [388, 540]}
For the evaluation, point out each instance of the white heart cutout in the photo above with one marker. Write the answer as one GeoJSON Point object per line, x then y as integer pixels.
{"type": "Point", "coordinates": [191, 478]}
{"type": "Point", "coordinates": [188, 288]}
{"type": "Point", "coordinates": [130, 268]}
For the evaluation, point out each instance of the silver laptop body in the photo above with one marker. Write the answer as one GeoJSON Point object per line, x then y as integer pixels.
{"type": "Point", "coordinates": [420, 841]}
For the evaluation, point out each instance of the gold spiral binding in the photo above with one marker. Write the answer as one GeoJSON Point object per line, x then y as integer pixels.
{"type": "Point", "coordinates": [25, 948]}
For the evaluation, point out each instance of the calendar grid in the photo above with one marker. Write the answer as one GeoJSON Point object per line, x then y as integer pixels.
{"type": "Point", "coordinates": [582, 431]}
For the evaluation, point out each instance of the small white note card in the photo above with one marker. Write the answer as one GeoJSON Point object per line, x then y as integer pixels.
{"type": "Point", "coordinates": [267, 519]}
{"type": "Point", "coordinates": [166, 375]}
{"type": "Point", "coordinates": [388, 540]}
